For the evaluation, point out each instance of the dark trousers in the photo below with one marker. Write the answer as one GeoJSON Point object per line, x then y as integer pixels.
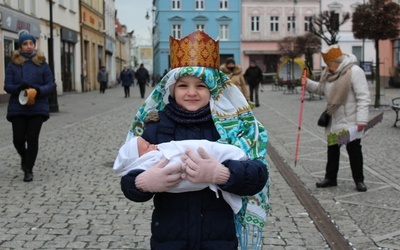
{"type": "Point", "coordinates": [126, 90]}
{"type": "Point", "coordinates": [252, 90]}
{"type": "Point", "coordinates": [142, 87]}
{"type": "Point", "coordinates": [356, 161]}
{"type": "Point", "coordinates": [103, 86]}
{"type": "Point", "coordinates": [26, 130]}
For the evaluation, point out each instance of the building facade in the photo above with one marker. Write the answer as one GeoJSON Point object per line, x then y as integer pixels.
{"type": "Point", "coordinates": [178, 18]}
{"type": "Point", "coordinates": [266, 23]}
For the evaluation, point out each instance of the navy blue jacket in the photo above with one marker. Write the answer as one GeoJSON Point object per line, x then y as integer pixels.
{"type": "Point", "coordinates": [35, 73]}
{"type": "Point", "coordinates": [126, 78]}
{"type": "Point", "coordinates": [194, 220]}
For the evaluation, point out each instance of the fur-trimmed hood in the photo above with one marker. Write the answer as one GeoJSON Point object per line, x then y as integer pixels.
{"type": "Point", "coordinates": [19, 59]}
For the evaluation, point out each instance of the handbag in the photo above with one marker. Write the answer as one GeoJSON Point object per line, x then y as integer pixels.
{"type": "Point", "coordinates": [323, 120]}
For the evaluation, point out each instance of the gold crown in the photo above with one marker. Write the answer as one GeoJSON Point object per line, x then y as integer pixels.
{"type": "Point", "coordinates": [196, 49]}
{"type": "Point", "coordinates": [331, 53]}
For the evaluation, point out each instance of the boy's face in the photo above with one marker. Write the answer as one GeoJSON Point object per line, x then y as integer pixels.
{"type": "Point", "coordinates": [191, 93]}
{"type": "Point", "coordinates": [144, 146]}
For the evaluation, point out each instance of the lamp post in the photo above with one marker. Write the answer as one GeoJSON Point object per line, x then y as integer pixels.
{"type": "Point", "coordinates": [53, 103]}
{"type": "Point", "coordinates": [151, 30]}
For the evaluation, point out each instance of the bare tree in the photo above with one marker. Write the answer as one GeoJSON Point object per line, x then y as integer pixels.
{"type": "Point", "coordinates": [328, 22]}
{"type": "Point", "coordinates": [308, 45]}
{"type": "Point", "coordinates": [377, 20]}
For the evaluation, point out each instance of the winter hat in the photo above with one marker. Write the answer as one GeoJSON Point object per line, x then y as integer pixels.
{"type": "Point", "coordinates": [230, 60]}
{"type": "Point", "coordinates": [25, 35]}
{"type": "Point", "coordinates": [332, 53]}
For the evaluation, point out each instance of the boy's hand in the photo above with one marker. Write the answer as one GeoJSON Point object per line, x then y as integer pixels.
{"type": "Point", "coordinates": [203, 168]}
{"type": "Point", "coordinates": [158, 179]}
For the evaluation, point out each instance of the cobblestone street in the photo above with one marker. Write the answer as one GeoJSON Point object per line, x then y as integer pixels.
{"type": "Point", "coordinates": [75, 201]}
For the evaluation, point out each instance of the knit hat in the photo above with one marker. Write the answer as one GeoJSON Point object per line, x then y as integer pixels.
{"type": "Point", "coordinates": [25, 35]}
{"type": "Point", "coordinates": [230, 60]}
{"type": "Point", "coordinates": [332, 53]}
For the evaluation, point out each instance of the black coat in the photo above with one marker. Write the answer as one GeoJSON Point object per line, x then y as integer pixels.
{"type": "Point", "coordinates": [253, 75]}
{"type": "Point", "coordinates": [194, 220]}
{"type": "Point", "coordinates": [142, 76]}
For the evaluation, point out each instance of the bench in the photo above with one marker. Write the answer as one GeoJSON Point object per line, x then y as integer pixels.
{"type": "Point", "coordinates": [396, 107]}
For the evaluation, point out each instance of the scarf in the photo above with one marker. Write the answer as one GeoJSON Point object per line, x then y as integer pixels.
{"type": "Point", "coordinates": [236, 124]}
{"type": "Point", "coordinates": [28, 55]}
{"type": "Point", "coordinates": [180, 115]}
{"type": "Point", "coordinates": [340, 89]}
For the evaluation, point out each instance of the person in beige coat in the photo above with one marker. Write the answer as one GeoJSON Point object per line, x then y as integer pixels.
{"type": "Point", "coordinates": [234, 72]}
{"type": "Point", "coordinates": [346, 91]}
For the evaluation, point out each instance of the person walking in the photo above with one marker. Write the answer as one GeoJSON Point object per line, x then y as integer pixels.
{"type": "Point", "coordinates": [191, 102]}
{"type": "Point", "coordinates": [254, 77]}
{"type": "Point", "coordinates": [345, 87]}
{"type": "Point", "coordinates": [28, 72]}
{"type": "Point", "coordinates": [102, 78]}
{"type": "Point", "coordinates": [234, 72]}
{"type": "Point", "coordinates": [143, 77]}
{"type": "Point", "coordinates": [126, 79]}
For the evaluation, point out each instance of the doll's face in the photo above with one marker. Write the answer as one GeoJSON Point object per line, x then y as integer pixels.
{"type": "Point", "coordinates": [28, 46]}
{"type": "Point", "coordinates": [191, 93]}
{"type": "Point", "coordinates": [144, 146]}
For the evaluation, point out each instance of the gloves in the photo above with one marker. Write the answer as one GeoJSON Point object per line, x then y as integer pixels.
{"type": "Point", "coordinates": [22, 86]}
{"type": "Point", "coordinates": [203, 168]}
{"type": "Point", "coordinates": [158, 178]}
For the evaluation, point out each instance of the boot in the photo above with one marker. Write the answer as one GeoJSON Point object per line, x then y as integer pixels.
{"type": "Point", "coordinates": [28, 177]}
{"type": "Point", "coordinates": [326, 183]}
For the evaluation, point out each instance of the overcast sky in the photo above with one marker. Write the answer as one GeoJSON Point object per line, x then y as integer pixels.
{"type": "Point", "coordinates": [132, 13]}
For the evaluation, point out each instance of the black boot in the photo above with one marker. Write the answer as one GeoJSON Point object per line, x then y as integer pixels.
{"type": "Point", "coordinates": [326, 183]}
{"type": "Point", "coordinates": [360, 186]}
{"type": "Point", "coordinates": [28, 177]}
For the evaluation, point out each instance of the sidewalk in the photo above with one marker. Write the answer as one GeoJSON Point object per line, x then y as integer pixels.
{"type": "Point", "coordinates": [75, 202]}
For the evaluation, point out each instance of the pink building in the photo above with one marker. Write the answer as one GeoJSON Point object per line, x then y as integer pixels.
{"type": "Point", "coordinates": [265, 23]}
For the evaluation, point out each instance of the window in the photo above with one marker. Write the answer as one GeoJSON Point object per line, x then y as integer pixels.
{"type": "Point", "coordinates": [201, 27]}
{"type": "Point", "coordinates": [291, 25]}
{"type": "Point", "coordinates": [21, 5]}
{"type": "Point", "coordinates": [33, 7]}
{"type": "Point", "coordinates": [274, 24]}
{"type": "Point", "coordinates": [224, 32]}
{"type": "Point", "coordinates": [176, 4]}
{"type": "Point", "coordinates": [307, 23]}
{"type": "Point", "coordinates": [223, 4]}
{"type": "Point", "coordinates": [199, 4]}
{"type": "Point", "coordinates": [176, 31]}
{"type": "Point", "coordinates": [255, 23]}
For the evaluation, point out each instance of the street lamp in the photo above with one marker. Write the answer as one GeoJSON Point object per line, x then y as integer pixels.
{"type": "Point", "coordinates": [53, 103]}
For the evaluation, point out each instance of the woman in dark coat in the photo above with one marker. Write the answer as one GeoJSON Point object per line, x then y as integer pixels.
{"type": "Point", "coordinates": [28, 70]}
{"type": "Point", "coordinates": [126, 79]}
